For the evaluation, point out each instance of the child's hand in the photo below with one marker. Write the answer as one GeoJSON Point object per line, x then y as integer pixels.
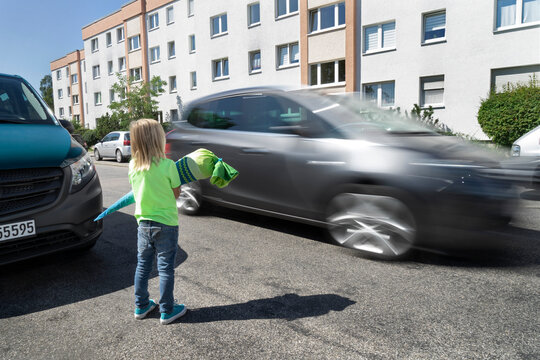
{"type": "Point", "coordinates": [176, 192]}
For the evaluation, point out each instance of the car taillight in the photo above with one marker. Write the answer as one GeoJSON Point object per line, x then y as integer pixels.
{"type": "Point", "coordinates": [168, 150]}
{"type": "Point", "coordinates": [127, 142]}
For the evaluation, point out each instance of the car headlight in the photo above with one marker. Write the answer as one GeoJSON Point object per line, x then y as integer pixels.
{"type": "Point", "coordinates": [82, 172]}
{"type": "Point", "coordinates": [516, 150]}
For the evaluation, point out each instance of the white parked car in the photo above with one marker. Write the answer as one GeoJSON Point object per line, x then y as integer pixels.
{"type": "Point", "coordinates": [528, 144]}
{"type": "Point", "coordinates": [115, 144]}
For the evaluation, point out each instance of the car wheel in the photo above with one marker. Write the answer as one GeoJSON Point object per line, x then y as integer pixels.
{"type": "Point", "coordinates": [97, 155]}
{"type": "Point", "coordinates": [190, 200]}
{"type": "Point", "coordinates": [374, 220]}
{"type": "Point", "coordinates": [119, 157]}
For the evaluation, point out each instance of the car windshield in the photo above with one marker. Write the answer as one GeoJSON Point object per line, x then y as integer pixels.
{"type": "Point", "coordinates": [19, 104]}
{"type": "Point", "coordinates": [354, 118]}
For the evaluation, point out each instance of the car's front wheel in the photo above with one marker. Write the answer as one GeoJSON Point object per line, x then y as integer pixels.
{"type": "Point", "coordinates": [374, 220]}
{"type": "Point", "coordinates": [190, 200]}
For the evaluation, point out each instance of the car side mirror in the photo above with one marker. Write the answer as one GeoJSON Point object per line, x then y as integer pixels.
{"type": "Point", "coordinates": [67, 125]}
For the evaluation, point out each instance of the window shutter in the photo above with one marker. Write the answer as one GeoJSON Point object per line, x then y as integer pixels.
{"type": "Point", "coordinates": [435, 22]}
{"type": "Point", "coordinates": [371, 38]}
{"type": "Point", "coordinates": [389, 35]}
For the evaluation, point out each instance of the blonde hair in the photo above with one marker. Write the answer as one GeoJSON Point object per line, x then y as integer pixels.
{"type": "Point", "coordinates": [147, 143]}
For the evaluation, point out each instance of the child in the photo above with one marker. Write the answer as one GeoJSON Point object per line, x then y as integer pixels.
{"type": "Point", "coordinates": [156, 185]}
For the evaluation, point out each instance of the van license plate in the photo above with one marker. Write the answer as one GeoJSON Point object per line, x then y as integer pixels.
{"type": "Point", "coordinates": [17, 230]}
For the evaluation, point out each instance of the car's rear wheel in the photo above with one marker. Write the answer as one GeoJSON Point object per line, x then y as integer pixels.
{"type": "Point", "coordinates": [97, 155]}
{"type": "Point", "coordinates": [190, 200]}
{"type": "Point", "coordinates": [374, 220]}
{"type": "Point", "coordinates": [119, 156]}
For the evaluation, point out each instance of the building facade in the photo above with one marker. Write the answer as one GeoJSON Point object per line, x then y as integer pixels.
{"type": "Point", "coordinates": [67, 79]}
{"type": "Point", "coordinates": [440, 53]}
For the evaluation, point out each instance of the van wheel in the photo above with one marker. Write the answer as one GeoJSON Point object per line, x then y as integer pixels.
{"type": "Point", "coordinates": [119, 157]}
{"type": "Point", "coordinates": [97, 155]}
{"type": "Point", "coordinates": [190, 200]}
{"type": "Point", "coordinates": [374, 220]}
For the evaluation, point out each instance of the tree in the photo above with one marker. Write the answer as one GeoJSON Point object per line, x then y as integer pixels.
{"type": "Point", "coordinates": [137, 102]}
{"type": "Point", "coordinates": [45, 86]}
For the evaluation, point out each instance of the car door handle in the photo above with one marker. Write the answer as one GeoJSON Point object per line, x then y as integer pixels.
{"type": "Point", "coordinates": [255, 151]}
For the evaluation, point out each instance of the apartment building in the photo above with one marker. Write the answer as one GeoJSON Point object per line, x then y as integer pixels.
{"type": "Point", "coordinates": [447, 54]}
{"type": "Point", "coordinates": [67, 75]}
{"type": "Point", "coordinates": [440, 53]}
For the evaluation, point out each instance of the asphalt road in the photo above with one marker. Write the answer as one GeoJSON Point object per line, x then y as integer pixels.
{"type": "Point", "coordinates": [261, 288]}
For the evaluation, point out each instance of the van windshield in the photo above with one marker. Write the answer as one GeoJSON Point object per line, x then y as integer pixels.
{"type": "Point", "coordinates": [19, 103]}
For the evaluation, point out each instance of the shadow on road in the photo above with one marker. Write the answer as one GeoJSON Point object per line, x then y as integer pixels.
{"type": "Point", "coordinates": [288, 306]}
{"type": "Point", "coordinates": [73, 276]}
{"type": "Point", "coordinates": [533, 195]}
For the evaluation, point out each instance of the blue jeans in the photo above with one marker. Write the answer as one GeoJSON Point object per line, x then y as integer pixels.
{"type": "Point", "coordinates": [156, 238]}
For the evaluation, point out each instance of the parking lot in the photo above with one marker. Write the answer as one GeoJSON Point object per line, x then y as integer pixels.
{"type": "Point", "coordinates": [262, 288]}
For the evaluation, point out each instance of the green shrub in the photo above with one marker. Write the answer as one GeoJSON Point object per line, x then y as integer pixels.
{"type": "Point", "coordinates": [507, 115]}
{"type": "Point", "coordinates": [90, 136]}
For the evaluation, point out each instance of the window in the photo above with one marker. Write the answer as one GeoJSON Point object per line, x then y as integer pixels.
{"type": "Point", "coordinates": [172, 49]}
{"type": "Point", "coordinates": [135, 74]}
{"type": "Point", "coordinates": [108, 38]}
{"type": "Point", "coordinates": [68, 91]}
{"type": "Point", "coordinates": [58, 74]}
{"type": "Point", "coordinates": [110, 69]}
{"type": "Point", "coordinates": [95, 72]}
{"type": "Point", "coordinates": [77, 118]}
{"type": "Point", "coordinates": [512, 12]}
{"type": "Point", "coordinates": [67, 72]}
{"type": "Point", "coordinates": [154, 54]}
{"type": "Point", "coordinates": [94, 44]}
{"type": "Point", "coordinates": [382, 94]}
{"type": "Point", "coordinates": [120, 34]}
{"type": "Point", "coordinates": [501, 78]}
{"type": "Point", "coordinates": [284, 7]}
{"type": "Point", "coordinates": [84, 66]}
{"type": "Point", "coordinates": [111, 95]}
{"type": "Point", "coordinates": [75, 99]}
{"type": "Point", "coordinates": [332, 72]}
{"type": "Point", "coordinates": [192, 44]}
{"type": "Point", "coordinates": [219, 24]}
{"type": "Point", "coordinates": [255, 61]}
{"type": "Point", "coordinates": [327, 17]}
{"type": "Point", "coordinates": [122, 63]}
{"type": "Point", "coordinates": [254, 14]}
{"type": "Point", "coordinates": [74, 79]}
{"type": "Point", "coordinates": [380, 37]}
{"type": "Point", "coordinates": [432, 91]}
{"type": "Point", "coordinates": [153, 21]}
{"type": "Point", "coordinates": [193, 76]}
{"type": "Point", "coordinates": [221, 69]}
{"type": "Point", "coordinates": [69, 111]}
{"type": "Point", "coordinates": [191, 7]}
{"type": "Point", "coordinates": [97, 98]}
{"type": "Point", "coordinates": [288, 55]}
{"type": "Point", "coordinates": [61, 111]}
{"type": "Point", "coordinates": [60, 93]}
{"type": "Point", "coordinates": [172, 83]}
{"type": "Point", "coordinates": [170, 15]}
{"type": "Point", "coordinates": [434, 27]}
{"type": "Point", "coordinates": [134, 42]}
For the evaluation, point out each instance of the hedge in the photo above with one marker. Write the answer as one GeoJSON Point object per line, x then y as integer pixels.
{"type": "Point", "coordinates": [507, 115]}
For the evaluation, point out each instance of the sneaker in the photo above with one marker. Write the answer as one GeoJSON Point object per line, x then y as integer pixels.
{"type": "Point", "coordinates": [140, 313]}
{"type": "Point", "coordinates": [178, 310]}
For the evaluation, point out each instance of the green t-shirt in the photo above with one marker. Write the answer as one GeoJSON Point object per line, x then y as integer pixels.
{"type": "Point", "coordinates": [152, 190]}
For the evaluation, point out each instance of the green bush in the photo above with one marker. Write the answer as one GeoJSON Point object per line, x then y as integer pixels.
{"type": "Point", "coordinates": [90, 136]}
{"type": "Point", "coordinates": [507, 115]}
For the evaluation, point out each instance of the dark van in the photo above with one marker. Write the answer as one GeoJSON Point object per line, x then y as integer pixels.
{"type": "Point", "coordinates": [49, 189]}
